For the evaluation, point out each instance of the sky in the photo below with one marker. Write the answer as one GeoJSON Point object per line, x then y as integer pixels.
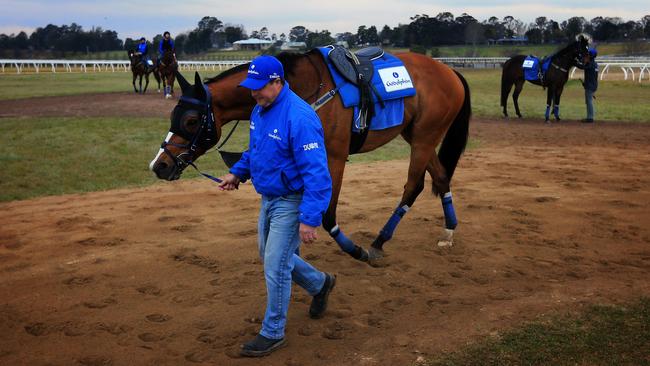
{"type": "Point", "coordinates": [132, 18]}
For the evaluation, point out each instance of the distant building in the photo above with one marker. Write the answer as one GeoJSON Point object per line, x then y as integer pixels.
{"type": "Point", "coordinates": [252, 44]}
{"type": "Point", "coordinates": [286, 46]}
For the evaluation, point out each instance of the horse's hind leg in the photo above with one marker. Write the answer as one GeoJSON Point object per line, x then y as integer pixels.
{"type": "Point", "coordinates": [441, 189]}
{"type": "Point", "coordinates": [505, 92]}
{"type": "Point", "coordinates": [420, 156]}
{"type": "Point", "coordinates": [146, 78]}
{"type": "Point", "coordinates": [135, 90]}
{"type": "Point", "coordinates": [519, 85]}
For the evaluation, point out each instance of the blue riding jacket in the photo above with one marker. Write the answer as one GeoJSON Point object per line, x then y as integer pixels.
{"type": "Point", "coordinates": [591, 76]}
{"type": "Point", "coordinates": [162, 46]}
{"type": "Point", "coordinates": [142, 48]}
{"type": "Point", "coordinates": [287, 155]}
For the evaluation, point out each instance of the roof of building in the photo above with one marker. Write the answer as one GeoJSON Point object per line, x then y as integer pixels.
{"type": "Point", "coordinates": [253, 41]}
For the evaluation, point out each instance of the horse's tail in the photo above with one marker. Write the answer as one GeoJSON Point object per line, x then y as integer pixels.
{"type": "Point", "coordinates": [453, 145]}
{"type": "Point", "coordinates": [505, 87]}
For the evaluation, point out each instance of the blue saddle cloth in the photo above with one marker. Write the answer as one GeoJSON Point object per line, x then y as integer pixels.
{"type": "Point", "coordinates": [391, 80]}
{"type": "Point", "coordinates": [531, 66]}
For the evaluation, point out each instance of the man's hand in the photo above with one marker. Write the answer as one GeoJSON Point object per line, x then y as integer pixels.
{"type": "Point", "coordinates": [229, 182]}
{"type": "Point", "coordinates": [307, 233]}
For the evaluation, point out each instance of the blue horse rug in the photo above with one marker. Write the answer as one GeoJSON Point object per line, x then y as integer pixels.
{"type": "Point", "coordinates": [391, 80]}
{"type": "Point", "coordinates": [531, 66]}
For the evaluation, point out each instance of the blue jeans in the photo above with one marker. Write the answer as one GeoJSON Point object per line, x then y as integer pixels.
{"type": "Point", "coordinates": [589, 99]}
{"type": "Point", "coordinates": [279, 240]}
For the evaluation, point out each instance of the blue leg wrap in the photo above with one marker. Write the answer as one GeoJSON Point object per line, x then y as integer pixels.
{"type": "Point", "coordinates": [556, 111]}
{"type": "Point", "coordinates": [547, 115]}
{"type": "Point", "coordinates": [450, 215]}
{"type": "Point", "coordinates": [387, 232]}
{"type": "Point", "coordinates": [343, 241]}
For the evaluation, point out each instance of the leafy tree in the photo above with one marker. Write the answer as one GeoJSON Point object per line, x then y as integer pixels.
{"type": "Point", "coordinates": [298, 34]}
{"type": "Point", "coordinates": [318, 39]}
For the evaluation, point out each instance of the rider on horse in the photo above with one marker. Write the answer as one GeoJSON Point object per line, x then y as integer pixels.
{"type": "Point", "coordinates": [143, 52]}
{"type": "Point", "coordinates": [166, 44]}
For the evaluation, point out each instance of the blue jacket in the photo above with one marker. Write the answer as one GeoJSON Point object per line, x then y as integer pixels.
{"type": "Point", "coordinates": [162, 47]}
{"type": "Point", "coordinates": [287, 155]}
{"type": "Point", "coordinates": [591, 76]}
{"type": "Point", "coordinates": [142, 48]}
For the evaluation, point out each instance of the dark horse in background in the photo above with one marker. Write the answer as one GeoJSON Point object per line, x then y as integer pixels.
{"type": "Point", "coordinates": [139, 68]}
{"type": "Point", "coordinates": [167, 68]}
{"type": "Point", "coordinates": [438, 114]}
{"type": "Point", "coordinates": [554, 79]}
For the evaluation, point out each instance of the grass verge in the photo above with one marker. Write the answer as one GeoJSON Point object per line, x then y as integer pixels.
{"type": "Point", "coordinates": [602, 335]}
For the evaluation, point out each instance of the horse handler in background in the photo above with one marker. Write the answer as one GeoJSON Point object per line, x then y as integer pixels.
{"type": "Point", "coordinates": [287, 163]}
{"type": "Point", "coordinates": [590, 84]}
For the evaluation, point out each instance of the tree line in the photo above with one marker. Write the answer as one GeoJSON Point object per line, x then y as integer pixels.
{"type": "Point", "coordinates": [422, 31]}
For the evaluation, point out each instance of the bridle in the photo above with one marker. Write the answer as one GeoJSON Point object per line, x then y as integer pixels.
{"type": "Point", "coordinates": [202, 138]}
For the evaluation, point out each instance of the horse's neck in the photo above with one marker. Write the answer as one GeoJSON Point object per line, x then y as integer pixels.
{"type": "Point", "coordinates": [229, 101]}
{"type": "Point", "coordinates": [564, 57]}
{"type": "Point", "coordinates": [309, 73]}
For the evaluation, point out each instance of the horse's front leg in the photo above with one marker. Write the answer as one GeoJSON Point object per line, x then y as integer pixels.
{"type": "Point", "coordinates": [549, 101]}
{"type": "Point", "coordinates": [329, 220]}
{"type": "Point", "coordinates": [556, 102]}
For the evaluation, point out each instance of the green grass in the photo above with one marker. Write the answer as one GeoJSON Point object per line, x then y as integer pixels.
{"type": "Point", "coordinates": [602, 335]}
{"type": "Point", "coordinates": [69, 155]}
{"type": "Point", "coordinates": [19, 86]}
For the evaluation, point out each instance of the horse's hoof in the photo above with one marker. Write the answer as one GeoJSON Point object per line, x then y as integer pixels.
{"type": "Point", "coordinates": [376, 258]}
{"type": "Point", "coordinates": [447, 239]}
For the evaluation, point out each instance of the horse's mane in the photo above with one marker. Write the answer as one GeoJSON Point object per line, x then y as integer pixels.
{"type": "Point", "coordinates": [287, 58]}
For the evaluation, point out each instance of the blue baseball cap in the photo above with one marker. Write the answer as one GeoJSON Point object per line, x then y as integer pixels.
{"type": "Point", "coordinates": [262, 70]}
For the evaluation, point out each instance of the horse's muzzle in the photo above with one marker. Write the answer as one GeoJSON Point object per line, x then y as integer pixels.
{"type": "Point", "coordinates": [166, 171]}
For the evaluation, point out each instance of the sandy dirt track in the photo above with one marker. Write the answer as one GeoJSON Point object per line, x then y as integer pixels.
{"type": "Point", "coordinates": [551, 218]}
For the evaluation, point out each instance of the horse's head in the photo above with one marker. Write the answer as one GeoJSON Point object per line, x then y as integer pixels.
{"type": "Point", "coordinates": [131, 54]}
{"type": "Point", "coordinates": [193, 131]}
{"type": "Point", "coordinates": [581, 49]}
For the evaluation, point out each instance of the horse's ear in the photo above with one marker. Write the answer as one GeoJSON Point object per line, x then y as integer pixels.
{"type": "Point", "coordinates": [185, 86]}
{"type": "Point", "coordinates": [199, 92]}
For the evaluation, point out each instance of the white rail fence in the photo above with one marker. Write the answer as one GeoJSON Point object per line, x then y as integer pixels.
{"type": "Point", "coordinates": [37, 66]}
{"type": "Point", "coordinates": [628, 65]}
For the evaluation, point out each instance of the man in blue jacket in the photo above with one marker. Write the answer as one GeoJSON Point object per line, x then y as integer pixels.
{"type": "Point", "coordinates": [287, 163]}
{"type": "Point", "coordinates": [143, 52]}
{"type": "Point", "coordinates": [590, 84]}
{"type": "Point", "coordinates": [166, 44]}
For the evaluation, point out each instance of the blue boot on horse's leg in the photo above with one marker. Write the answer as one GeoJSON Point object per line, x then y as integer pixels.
{"type": "Point", "coordinates": [556, 112]}
{"type": "Point", "coordinates": [547, 115]}
{"type": "Point", "coordinates": [348, 245]}
{"type": "Point", "coordinates": [450, 221]}
{"type": "Point", "coordinates": [386, 233]}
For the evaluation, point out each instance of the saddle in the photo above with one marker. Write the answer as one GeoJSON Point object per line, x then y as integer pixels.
{"type": "Point", "coordinates": [357, 68]}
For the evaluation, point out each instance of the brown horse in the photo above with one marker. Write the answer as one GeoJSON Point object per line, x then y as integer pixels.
{"type": "Point", "coordinates": [438, 113]}
{"type": "Point", "coordinates": [139, 68]}
{"type": "Point", "coordinates": [167, 68]}
{"type": "Point", "coordinates": [554, 79]}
